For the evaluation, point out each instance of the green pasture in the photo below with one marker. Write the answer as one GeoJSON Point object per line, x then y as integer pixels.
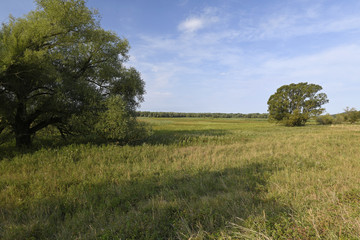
{"type": "Point", "coordinates": [192, 179]}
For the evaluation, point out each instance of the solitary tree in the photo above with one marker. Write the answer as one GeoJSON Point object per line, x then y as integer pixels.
{"type": "Point", "coordinates": [294, 104]}
{"type": "Point", "coordinates": [56, 65]}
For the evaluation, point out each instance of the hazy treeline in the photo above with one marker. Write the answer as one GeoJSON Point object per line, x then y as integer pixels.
{"type": "Point", "coordinates": [200, 115]}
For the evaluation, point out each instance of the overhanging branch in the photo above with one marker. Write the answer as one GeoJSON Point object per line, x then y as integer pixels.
{"type": "Point", "coordinates": [44, 124]}
{"type": "Point", "coordinates": [40, 94]}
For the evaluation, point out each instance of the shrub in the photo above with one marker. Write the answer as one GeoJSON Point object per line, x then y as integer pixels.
{"type": "Point", "coordinates": [325, 119]}
{"type": "Point", "coordinates": [339, 118]}
{"type": "Point", "coordinates": [351, 115]}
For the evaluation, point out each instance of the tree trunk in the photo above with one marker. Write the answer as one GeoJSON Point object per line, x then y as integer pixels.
{"type": "Point", "coordinates": [22, 128]}
{"type": "Point", "coordinates": [23, 140]}
{"type": "Point", "coordinates": [22, 134]}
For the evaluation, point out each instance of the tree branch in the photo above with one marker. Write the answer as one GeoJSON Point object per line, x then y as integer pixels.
{"type": "Point", "coordinates": [39, 94]}
{"type": "Point", "coordinates": [44, 124]}
{"type": "Point", "coordinates": [33, 116]}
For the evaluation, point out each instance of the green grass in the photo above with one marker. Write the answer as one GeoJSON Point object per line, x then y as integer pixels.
{"type": "Point", "coordinates": [192, 179]}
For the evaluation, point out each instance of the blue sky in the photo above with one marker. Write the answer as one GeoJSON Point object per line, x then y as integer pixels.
{"type": "Point", "coordinates": [231, 55]}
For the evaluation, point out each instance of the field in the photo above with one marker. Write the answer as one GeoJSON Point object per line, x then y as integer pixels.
{"type": "Point", "coordinates": [192, 179]}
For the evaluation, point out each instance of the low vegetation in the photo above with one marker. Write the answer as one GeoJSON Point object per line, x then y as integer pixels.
{"type": "Point", "coordinates": [326, 119]}
{"type": "Point", "coordinates": [191, 179]}
{"type": "Point", "coordinates": [351, 115]}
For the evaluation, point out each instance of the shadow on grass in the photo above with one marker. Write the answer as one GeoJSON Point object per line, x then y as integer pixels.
{"type": "Point", "coordinates": [9, 150]}
{"type": "Point", "coordinates": [159, 137]}
{"type": "Point", "coordinates": [173, 205]}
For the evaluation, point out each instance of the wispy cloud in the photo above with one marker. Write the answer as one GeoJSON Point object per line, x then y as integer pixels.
{"type": "Point", "coordinates": [195, 23]}
{"type": "Point", "coordinates": [192, 24]}
{"type": "Point", "coordinates": [211, 56]}
{"type": "Point", "coordinates": [285, 24]}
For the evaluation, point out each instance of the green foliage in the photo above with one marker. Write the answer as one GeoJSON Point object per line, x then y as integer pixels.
{"type": "Point", "coordinates": [326, 119]}
{"type": "Point", "coordinates": [117, 123]}
{"type": "Point", "coordinates": [296, 118]}
{"type": "Point", "coordinates": [339, 118]}
{"type": "Point", "coordinates": [57, 64]}
{"type": "Point", "coordinates": [295, 104]}
{"type": "Point", "coordinates": [351, 115]}
{"type": "Point", "coordinates": [5, 135]}
{"type": "Point", "coordinates": [5, 131]}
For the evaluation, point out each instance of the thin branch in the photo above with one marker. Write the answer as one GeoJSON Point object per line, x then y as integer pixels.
{"type": "Point", "coordinates": [96, 83]}
{"type": "Point", "coordinates": [40, 94]}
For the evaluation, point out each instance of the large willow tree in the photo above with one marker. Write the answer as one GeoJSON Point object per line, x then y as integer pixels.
{"type": "Point", "coordinates": [57, 64]}
{"type": "Point", "coordinates": [295, 104]}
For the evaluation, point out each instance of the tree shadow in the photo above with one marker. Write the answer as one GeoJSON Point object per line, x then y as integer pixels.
{"type": "Point", "coordinates": [9, 150]}
{"type": "Point", "coordinates": [159, 137]}
{"type": "Point", "coordinates": [173, 205]}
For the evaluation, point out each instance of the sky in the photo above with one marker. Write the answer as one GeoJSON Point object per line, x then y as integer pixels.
{"type": "Point", "coordinates": [230, 56]}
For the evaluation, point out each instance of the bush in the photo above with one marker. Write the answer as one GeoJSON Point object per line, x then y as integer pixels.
{"type": "Point", "coordinates": [325, 119]}
{"type": "Point", "coordinates": [351, 115]}
{"type": "Point", "coordinates": [339, 118]}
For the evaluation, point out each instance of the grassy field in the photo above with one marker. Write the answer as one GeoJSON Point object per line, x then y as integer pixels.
{"type": "Point", "coordinates": [192, 179]}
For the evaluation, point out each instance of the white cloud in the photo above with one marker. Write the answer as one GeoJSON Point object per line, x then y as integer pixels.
{"type": "Point", "coordinates": [195, 23]}
{"type": "Point", "coordinates": [234, 63]}
{"type": "Point", "coordinates": [191, 25]}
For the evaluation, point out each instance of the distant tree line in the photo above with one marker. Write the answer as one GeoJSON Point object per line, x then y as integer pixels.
{"type": "Point", "coordinates": [200, 115]}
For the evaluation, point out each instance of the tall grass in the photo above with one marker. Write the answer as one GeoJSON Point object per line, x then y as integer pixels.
{"type": "Point", "coordinates": [193, 179]}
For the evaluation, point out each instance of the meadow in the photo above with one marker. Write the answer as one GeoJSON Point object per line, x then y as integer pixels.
{"type": "Point", "coordinates": [197, 178]}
